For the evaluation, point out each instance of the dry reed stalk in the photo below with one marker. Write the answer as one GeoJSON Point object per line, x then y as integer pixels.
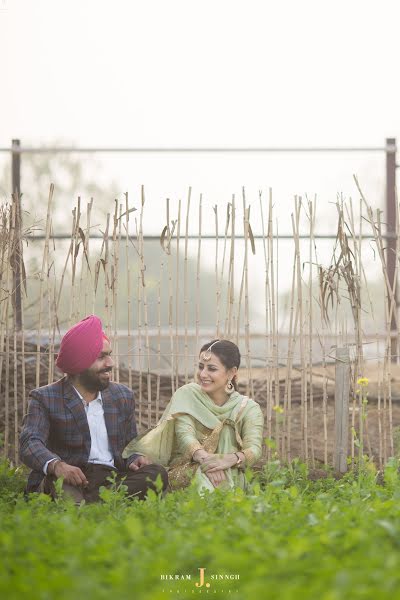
{"type": "Point", "coordinates": [70, 253]}
{"type": "Point", "coordinates": [241, 290]}
{"type": "Point", "coordinates": [16, 432]}
{"type": "Point", "coordinates": [325, 404]}
{"type": "Point", "coordinates": [139, 330]}
{"type": "Point", "coordinates": [177, 292]}
{"type": "Point", "coordinates": [105, 247]}
{"type": "Point", "coordinates": [274, 322]}
{"type": "Point", "coordinates": [357, 247]}
{"type": "Point", "coordinates": [198, 285]}
{"type": "Point", "coordinates": [159, 345]}
{"type": "Point", "coordinates": [311, 213]}
{"type": "Point", "coordinates": [170, 232]}
{"type": "Point", "coordinates": [22, 332]}
{"type": "Point", "coordinates": [287, 397]}
{"type": "Point", "coordinates": [117, 248]}
{"type": "Point", "coordinates": [15, 247]}
{"type": "Point", "coordinates": [7, 375]}
{"type": "Point", "coordinates": [270, 302]}
{"type": "Point", "coordinates": [51, 300]}
{"type": "Point", "coordinates": [4, 262]}
{"type": "Point", "coordinates": [304, 408]}
{"type": "Point", "coordinates": [185, 287]}
{"type": "Point", "coordinates": [54, 316]}
{"type": "Point", "coordinates": [379, 407]}
{"type": "Point", "coordinates": [6, 289]}
{"type": "Point", "coordinates": [85, 267]}
{"type": "Point", "coordinates": [145, 308]}
{"type": "Point", "coordinates": [221, 277]}
{"type": "Point", "coordinates": [231, 275]}
{"type": "Point", "coordinates": [266, 287]}
{"type": "Point", "coordinates": [128, 283]}
{"type": "Point", "coordinates": [385, 391]}
{"type": "Point", "coordinates": [217, 282]}
{"type": "Point", "coordinates": [378, 238]}
{"type": "Point", "coordinates": [76, 247]}
{"type": "Point", "coordinates": [390, 301]}
{"type": "Point", "coordinates": [247, 237]}
{"type": "Point", "coordinates": [42, 275]}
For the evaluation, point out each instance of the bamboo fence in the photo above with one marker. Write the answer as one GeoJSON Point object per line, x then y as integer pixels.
{"type": "Point", "coordinates": [161, 301]}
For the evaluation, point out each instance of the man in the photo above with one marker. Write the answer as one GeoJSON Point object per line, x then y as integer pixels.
{"type": "Point", "coordinates": [78, 427]}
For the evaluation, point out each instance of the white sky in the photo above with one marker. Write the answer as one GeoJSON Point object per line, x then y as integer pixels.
{"type": "Point", "coordinates": [209, 73]}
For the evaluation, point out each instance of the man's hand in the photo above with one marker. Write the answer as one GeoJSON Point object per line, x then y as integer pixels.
{"type": "Point", "coordinates": [140, 461]}
{"type": "Point", "coordinates": [216, 477]}
{"type": "Point", "coordinates": [72, 475]}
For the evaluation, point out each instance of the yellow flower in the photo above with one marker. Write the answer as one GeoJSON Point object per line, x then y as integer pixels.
{"type": "Point", "coordinates": [363, 381]}
{"type": "Point", "coordinates": [278, 409]}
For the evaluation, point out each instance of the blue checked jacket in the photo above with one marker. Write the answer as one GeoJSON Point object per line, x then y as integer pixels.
{"type": "Point", "coordinates": [56, 426]}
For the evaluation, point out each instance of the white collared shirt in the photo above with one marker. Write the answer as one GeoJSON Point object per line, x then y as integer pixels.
{"type": "Point", "coordinates": [100, 451]}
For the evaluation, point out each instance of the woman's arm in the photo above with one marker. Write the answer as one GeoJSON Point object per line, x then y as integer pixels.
{"type": "Point", "coordinates": [252, 435]}
{"type": "Point", "coordinates": [187, 437]}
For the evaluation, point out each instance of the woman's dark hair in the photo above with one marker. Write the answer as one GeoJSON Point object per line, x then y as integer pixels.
{"type": "Point", "coordinates": [227, 352]}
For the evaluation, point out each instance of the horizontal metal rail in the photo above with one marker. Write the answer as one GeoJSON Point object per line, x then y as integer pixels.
{"type": "Point", "coordinates": [208, 236]}
{"type": "Point", "coordinates": [391, 149]}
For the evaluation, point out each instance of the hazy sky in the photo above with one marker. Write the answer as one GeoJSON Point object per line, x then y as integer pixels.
{"type": "Point", "coordinates": [210, 73]}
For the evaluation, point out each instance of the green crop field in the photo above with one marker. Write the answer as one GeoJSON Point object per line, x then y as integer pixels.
{"type": "Point", "coordinates": [289, 537]}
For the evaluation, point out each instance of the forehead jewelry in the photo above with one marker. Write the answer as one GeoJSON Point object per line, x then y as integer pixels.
{"type": "Point", "coordinates": [206, 355]}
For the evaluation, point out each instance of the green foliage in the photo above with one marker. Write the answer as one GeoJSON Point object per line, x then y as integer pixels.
{"type": "Point", "coordinates": [287, 537]}
{"type": "Point", "coordinates": [12, 480]}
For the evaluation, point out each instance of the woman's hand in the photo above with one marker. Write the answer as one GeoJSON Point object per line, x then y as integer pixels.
{"type": "Point", "coordinates": [216, 478]}
{"type": "Point", "coordinates": [200, 455]}
{"type": "Point", "coordinates": [218, 462]}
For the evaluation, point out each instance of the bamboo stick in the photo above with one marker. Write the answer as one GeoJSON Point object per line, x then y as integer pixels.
{"type": "Point", "coordinates": [159, 344]}
{"type": "Point", "coordinates": [170, 232]}
{"type": "Point", "coordinates": [231, 275]}
{"type": "Point", "coordinates": [145, 311]}
{"type": "Point", "coordinates": [42, 274]}
{"type": "Point", "coordinates": [185, 287]}
{"type": "Point", "coordinates": [217, 282]}
{"type": "Point", "coordinates": [304, 408]}
{"type": "Point", "coordinates": [76, 247]}
{"type": "Point", "coordinates": [198, 284]}
{"type": "Point", "coordinates": [246, 226]}
{"type": "Point", "coordinates": [177, 292]}
{"type": "Point", "coordinates": [128, 283]}
{"type": "Point", "coordinates": [266, 287]}
{"type": "Point", "coordinates": [139, 329]}
{"type": "Point", "coordinates": [310, 328]}
{"type": "Point", "coordinates": [221, 277]}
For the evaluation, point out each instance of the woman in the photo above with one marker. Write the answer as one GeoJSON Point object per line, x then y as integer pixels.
{"type": "Point", "coordinates": [208, 431]}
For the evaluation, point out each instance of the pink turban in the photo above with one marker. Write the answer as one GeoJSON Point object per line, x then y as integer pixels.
{"type": "Point", "coordinates": [80, 346]}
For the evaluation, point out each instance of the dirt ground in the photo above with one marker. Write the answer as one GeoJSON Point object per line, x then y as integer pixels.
{"type": "Point", "coordinates": [381, 425]}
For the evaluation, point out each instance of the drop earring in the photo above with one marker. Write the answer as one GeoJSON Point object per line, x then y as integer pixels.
{"type": "Point", "coordinates": [229, 388]}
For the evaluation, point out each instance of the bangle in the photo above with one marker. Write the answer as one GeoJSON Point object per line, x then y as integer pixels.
{"type": "Point", "coordinates": [239, 460]}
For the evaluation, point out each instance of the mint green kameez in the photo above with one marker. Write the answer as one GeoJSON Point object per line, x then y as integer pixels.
{"type": "Point", "coordinates": [192, 421]}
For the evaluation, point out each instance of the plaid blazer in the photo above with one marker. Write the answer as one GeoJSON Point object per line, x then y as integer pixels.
{"type": "Point", "coordinates": [56, 426]}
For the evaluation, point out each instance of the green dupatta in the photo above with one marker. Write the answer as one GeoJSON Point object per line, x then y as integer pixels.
{"type": "Point", "coordinates": [158, 443]}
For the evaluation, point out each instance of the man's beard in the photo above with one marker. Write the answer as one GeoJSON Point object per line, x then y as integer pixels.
{"type": "Point", "coordinates": [92, 382]}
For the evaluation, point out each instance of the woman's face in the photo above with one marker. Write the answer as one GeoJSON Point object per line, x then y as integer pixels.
{"type": "Point", "coordinates": [212, 375]}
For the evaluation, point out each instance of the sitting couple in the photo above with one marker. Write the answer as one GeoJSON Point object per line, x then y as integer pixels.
{"type": "Point", "coordinates": [82, 428]}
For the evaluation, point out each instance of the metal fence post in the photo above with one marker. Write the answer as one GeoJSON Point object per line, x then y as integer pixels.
{"type": "Point", "coordinates": [391, 230]}
{"type": "Point", "coordinates": [342, 391]}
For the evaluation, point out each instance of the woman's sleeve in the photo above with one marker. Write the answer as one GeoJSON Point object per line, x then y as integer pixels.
{"type": "Point", "coordinates": [252, 435]}
{"type": "Point", "coordinates": [186, 436]}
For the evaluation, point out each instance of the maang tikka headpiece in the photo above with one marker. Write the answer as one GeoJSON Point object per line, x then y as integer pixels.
{"type": "Point", "coordinates": [206, 355]}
